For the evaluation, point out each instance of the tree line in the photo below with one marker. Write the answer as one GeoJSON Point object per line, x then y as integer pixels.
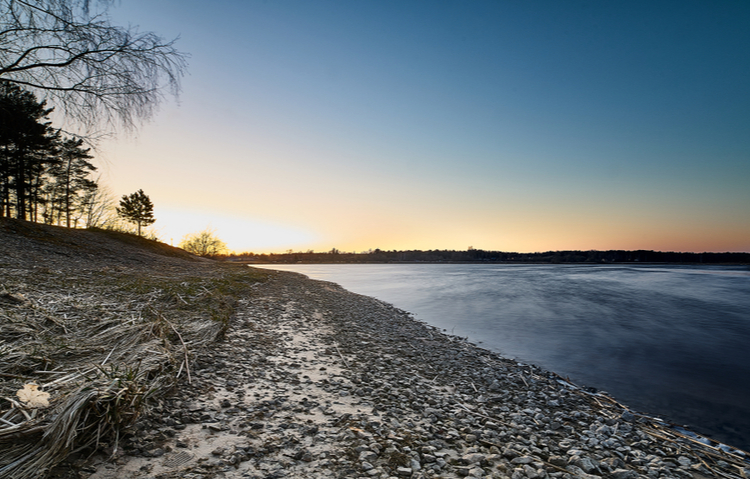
{"type": "Point", "coordinates": [45, 175]}
{"type": "Point", "coordinates": [99, 75]}
{"type": "Point", "coordinates": [488, 256]}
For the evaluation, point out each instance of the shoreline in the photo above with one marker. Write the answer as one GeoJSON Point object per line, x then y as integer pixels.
{"type": "Point", "coordinates": [243, 372]}
{"type": "Point", "coordinates": [316, 381]}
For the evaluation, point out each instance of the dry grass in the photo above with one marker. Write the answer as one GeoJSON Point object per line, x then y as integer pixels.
{"type": "Point", "coordinates": [103, 340]}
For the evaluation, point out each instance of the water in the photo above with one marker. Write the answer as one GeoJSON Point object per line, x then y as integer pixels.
{"type": "Point", "coordinates": [673, 341]}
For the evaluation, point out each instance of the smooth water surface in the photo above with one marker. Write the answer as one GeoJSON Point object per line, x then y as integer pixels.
{"type": "Point", "coordinates": [673, 341]}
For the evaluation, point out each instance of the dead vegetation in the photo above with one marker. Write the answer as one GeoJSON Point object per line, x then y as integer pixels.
{"type": "Point", "coordinates": [98, 327]}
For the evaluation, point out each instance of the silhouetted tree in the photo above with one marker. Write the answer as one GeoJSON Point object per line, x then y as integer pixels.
{"type": "Point", "coordinates": [137, 208]}
{"type": "Point", "coordinates": [98, 207]}
{"type": "Point", "coordinates": [26, 144]}
{"type": "Point", "coordinates": [70, 186]}
{"type": "Point", "coordinates": [96, 72]}
{"type": "Point", "coordinates": [203, 244]}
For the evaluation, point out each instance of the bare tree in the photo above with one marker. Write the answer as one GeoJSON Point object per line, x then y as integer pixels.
{"type": "Point", "coordinates": [99, 207]}
{"type": "Point", "coordinates": [204, 244]}
{"type": "Point", "coordinates": [98, 74]}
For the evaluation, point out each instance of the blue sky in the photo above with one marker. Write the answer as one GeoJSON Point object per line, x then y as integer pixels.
{"type": "Point", "coordinates": [522, 126]}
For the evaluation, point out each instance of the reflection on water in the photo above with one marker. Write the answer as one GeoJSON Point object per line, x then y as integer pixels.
{"type": "Point", "coordinates": [668, 340]}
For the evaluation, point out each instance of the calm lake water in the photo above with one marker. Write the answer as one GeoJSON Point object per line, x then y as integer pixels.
{"type": "Point", "coordinates": [673, 341]}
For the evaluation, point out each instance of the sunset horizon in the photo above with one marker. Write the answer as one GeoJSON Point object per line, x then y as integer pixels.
{"type": "Point", "coordinates": [511, 126]}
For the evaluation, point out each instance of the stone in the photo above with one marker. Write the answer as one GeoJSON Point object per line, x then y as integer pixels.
{"type": "Point", "coordinates": [622, 473]}
{"type": "Point", "coordinates": [576, 471]}
{"type": "Point", "coordinates": [587, 464]}
{"type": "Point", "coordinates": [367, 456]}
{"type": "Point", "coordinates": [463, 471]}
{"type": "Point", "coordinates": [558, 461]}
{"type": "Point", "coordinates": [522, 460]}
{"type": "Point", "coordinates": [477, 472]}
{"type": "Point", "coordinates": [403, 472]}
{"type": "Point", "coordinates": [530, 471]}
{"type": "Point", "coordinates": [157, 452]}
{"type": "Point", "coordinates": [472, 459]}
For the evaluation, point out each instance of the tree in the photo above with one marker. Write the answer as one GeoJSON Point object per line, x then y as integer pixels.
{"type": "Point", "coordinates": [26, 144]}
{"type": "Point", "coordinates": [97, 73]}
{"type": "Point", "coordinates": [71, 185]}
{"type": "Point", "coordinates": [137, 208]}
{"type": "Point", "coordinates": [98, 207]}
{"type": "Point", "coordinates": [41, 171]}
{"type": "Point", "coordinates": [203, 244]}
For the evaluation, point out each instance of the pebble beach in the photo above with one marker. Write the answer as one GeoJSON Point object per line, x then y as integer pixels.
{"type": "Point", "coordinates": [313, 381]}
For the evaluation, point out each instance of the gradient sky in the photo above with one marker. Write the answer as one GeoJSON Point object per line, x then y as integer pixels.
{"type": "Point", "coordinates": [506, 125]}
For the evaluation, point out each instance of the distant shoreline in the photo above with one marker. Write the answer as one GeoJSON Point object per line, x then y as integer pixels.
{"type": "Point", "coordinates": [593, 257]}
{"type": "Point", "coordinates": [728, 264]}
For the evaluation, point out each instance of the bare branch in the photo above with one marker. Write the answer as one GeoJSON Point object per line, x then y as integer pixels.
{"type": "Point", "coordinates": [98, 75]}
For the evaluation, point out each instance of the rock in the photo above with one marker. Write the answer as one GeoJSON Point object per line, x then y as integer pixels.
{"type": "Point", "coordinates": [587, 464]}
{"type": "Point", "coordinates": [157, 452]}
{"type": "Point", "coordinates": [622, 473]}
{"type": "Point", "coordinates": [577, 471]}
{"type": "Point", "coordinates": [463, 471]}
{"type": "Point", "coordinates": [558, 461]}
{"type": "Point", "coordinates": [477, 472]}
{"type": "Point", "coordinates": [367, 466]}
{"type": "Point", "coordinates": [414, 464]}
{"type": "Point", "coordinates": [367, 456]}
{"type": "Point", "coordinates": [531, 472]}
{"type": "Point", "coordinates": [472, 459]}
{"type": "Point", "coordinates": [403, 472]}
{"type": "Point", "coordinates": [522, 460]}
{"type": "Point", "coordinates": [612, 463]}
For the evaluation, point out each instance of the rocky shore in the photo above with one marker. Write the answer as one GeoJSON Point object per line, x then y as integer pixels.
{"type": "Point", "coordinates": [313, 381]}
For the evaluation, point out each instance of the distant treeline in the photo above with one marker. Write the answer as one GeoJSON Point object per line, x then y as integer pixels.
{"type": "Point", "coordinates": [484, 256]}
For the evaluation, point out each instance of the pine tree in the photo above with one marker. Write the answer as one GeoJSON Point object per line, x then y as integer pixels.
{"type": "Point", "coordinates": [26, 140]}
{"type": "Point", "coordinates": [137, 208]}
{"type": "Point", "coordinates": [70, 183]}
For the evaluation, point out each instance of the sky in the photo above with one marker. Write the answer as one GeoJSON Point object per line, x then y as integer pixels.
{"type": "Point", "coordinates": [503, 125]}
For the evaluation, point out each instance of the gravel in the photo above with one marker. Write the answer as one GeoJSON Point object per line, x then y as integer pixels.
{"type": "Point", "coordinates": [313, 381]}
